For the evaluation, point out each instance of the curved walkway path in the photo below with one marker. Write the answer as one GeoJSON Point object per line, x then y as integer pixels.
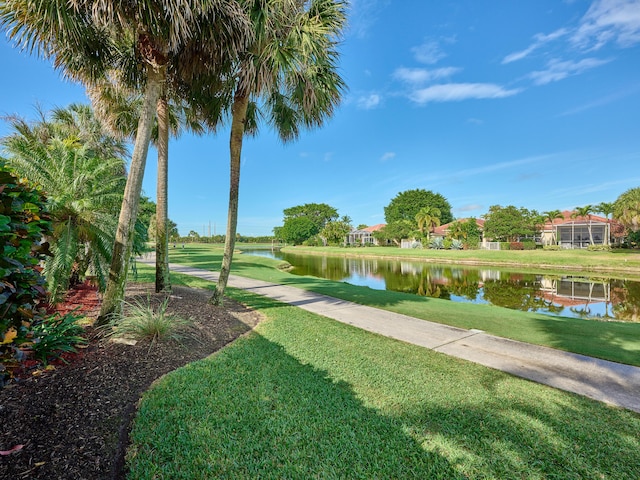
{"type": "Point", "coordinates": [609, 382]}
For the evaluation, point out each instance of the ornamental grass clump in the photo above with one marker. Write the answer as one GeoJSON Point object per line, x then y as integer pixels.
{"type": "Point", "coordinates": [140, 321]}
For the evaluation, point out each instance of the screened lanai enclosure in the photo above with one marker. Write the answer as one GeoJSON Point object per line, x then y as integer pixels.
{"type": "Point", "coordinates": [581, 235]}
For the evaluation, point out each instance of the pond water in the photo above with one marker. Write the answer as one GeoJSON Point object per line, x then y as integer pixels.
{"type": "Point", "coordinates": [578, 296]}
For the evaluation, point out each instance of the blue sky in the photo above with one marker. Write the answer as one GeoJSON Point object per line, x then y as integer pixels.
{"type": "Point", "coordinates": [532, 103]}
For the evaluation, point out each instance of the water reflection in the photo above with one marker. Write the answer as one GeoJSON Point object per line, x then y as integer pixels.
{"type": "Point", "coordinates": [570, 296]}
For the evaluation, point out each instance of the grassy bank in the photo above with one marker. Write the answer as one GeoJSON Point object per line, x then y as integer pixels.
{"type": "Point", "coordinates": [622, 260]}
{"type": "Point", "coordinates": [615, 341]}
{"type": "Point", "coordinates": [307, 397]}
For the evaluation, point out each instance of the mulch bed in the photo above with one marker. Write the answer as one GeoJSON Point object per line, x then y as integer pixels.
{"type": "Point", "coordinates": [72, 422]}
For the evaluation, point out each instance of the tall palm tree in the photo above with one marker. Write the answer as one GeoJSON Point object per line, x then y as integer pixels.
{"type": "Point", "coordinates": [550, 216]}
{"type": "Point", "coordinates": [119, 107]}
{"type": "Point", "coordinates": [291, 67]}
{"type": "Point", "coordinates": [82, 172]}
{"type": "Point", "coordinates": [627, 209]}
{"type": "Point", "coordinates": [428, 218]}
{"type": "Point", "coordinates": [606, 208]}
{"type": "Point", "coordinates": [584, 212]}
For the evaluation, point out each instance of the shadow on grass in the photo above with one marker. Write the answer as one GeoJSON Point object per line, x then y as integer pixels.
{"type": "Point", "coordinates": [253, 411]}
{"type": "Point", "coordinates": [286, 408]}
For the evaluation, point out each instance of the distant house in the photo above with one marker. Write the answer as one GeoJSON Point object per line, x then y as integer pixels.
{"type": "Point", "coordinates": [578, 232]}
{"type": "Point", "coordinates": [443, 230]}
{"type": "Point", "coordinates": [364, 236]}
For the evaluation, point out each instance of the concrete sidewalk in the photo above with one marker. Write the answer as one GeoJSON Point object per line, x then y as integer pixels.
{"type": "Point", "coordinates": [609, 382]}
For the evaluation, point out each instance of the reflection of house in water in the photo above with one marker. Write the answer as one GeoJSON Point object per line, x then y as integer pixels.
{"type": "Point", "coordinates": [489, 275]}
{"type": "Point", "coordinates": [574, 291]}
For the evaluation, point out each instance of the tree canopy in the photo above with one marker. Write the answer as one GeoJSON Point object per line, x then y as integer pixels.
{"type": "Point", "coordinates": [508, 224]}
{"type": "Point", "coordinates": [627, 209]}
{"type": "Point", "coordinates": [396, 231]}
{"type": "Point", "coordinates": [296, 230]}
{"type": "Point", "coordinates": [335, 231]}
{"type": "Point", "coordinates": [406, 205]}
{"type": "Point", "coordinates": [318, 213]}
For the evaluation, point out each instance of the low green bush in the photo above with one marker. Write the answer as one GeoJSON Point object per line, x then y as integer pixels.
{"type": "Point", "coordinates": [552, 247]}
{"type": "Point", "coordinates": [599, 248]}
{"type": "Point", "coordinates": [56, 335]}
{"type": "Point", "coordinates": [529, 245]}
{"type": "Point", "coordinates": [505, 245]}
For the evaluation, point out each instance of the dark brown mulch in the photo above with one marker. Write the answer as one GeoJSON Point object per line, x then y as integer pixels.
{"type": "Point", "coordinates": [73, 422]}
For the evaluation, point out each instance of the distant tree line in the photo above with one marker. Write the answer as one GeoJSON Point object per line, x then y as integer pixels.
{"type": "Point", "coordinates": [415, 214]}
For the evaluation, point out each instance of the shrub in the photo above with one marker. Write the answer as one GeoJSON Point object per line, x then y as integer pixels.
{"type": "Point", "coordinates": [436, 243]}
{"type": "Point", "coordinates": [599, 248]}
{"type": "Point", "coordinates": [139, 321]}
{"type": "Point", "coordinates": [447, 243]}
{"type": "Point", "coordinates": [56, 335]}
{"type": "Point", "coordinates": [552, 247]}
{"type": "Point", "coordinates": [516, 246]}
{"type": "Point", "coordinates": [23, 224]}
{"type": "Point", "coordinates": [505, 246]}
{"type": "Point", "coordinates": [456, 244]}
{"type": "Point", "coordinates": [529, 245]}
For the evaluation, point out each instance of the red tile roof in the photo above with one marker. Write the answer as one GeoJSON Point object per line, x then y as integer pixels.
{"type": "Point", "coordinates": [375, 228]}
{"type": "Point", "coordinates": [566, 218]}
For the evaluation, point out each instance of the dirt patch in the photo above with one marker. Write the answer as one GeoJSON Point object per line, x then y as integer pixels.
{"type": "Point", "coordinates": [73, 422]}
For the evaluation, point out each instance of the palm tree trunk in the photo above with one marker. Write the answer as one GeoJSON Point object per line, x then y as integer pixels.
{"type": "Point", "coordinates": [114, 293]}
{"type": "Point", "coordinates": [163, 278]}
{"type": "Point", "coordinates": [239, 116]}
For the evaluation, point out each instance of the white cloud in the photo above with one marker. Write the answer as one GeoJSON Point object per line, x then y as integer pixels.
{"type": "Point", "coordinates": [363, 14]}
{"type": "Point", "coordinates": [558, 70]}
{"type": "Point", "coordinates": [368, 102]}
{"type": "Point", "coordinates": [388, 156]}
{"type": "Point", "coordinates": [451, 92]}
{"type": "Point", "coordinates": [423, 75]}
{"type": "Point", "coordinates": [429, 52]}
{"type": "Point", "coordinates": [609, 20]}
{"type": "Point", "coordinates": [539, 40]}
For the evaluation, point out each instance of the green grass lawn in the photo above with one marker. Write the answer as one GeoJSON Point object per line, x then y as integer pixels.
{"type": "Point", "coordinates": [307, 397]}
{"type": "Point", "coordinates": [615, 341]}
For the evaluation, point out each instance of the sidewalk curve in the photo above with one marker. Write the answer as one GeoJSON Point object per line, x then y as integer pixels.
{"type": "Point", "coordinates": [613, 383]}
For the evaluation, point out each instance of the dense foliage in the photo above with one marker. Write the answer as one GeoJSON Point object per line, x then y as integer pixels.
{"type": "Point", "coordinates": [305, 221]}
{"type": "Point", "coordinates": [406, 206]}
{"type": "Point", "coordinates": [626, 209]}
{"type": "Point", "coordinates": [23, 226]}
{"type": "Point", "coordinates": [82, 170]}
{"type": "Point", "coordinates": [296, 230]}
{"type": "Point", "coordinates": [395, 231]}
{"type": "Point", "coordinates": [335, 231]}
{"type": "Point", "coordinates": [467, 231]}
{"type": "Point", "coordinates": [509, 224]}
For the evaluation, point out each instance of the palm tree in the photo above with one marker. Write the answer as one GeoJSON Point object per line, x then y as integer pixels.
{"type": "Point", "coordinates": [119, 108]}
{"type": "Point", "coordinates": [583, 212]}
{"type": "Point", "coordinates": [606, 208]}
{"type": "Point", "coordinates": [291, 67]}
{"type": "Point", "coordinates": [428, 218]}
{"type": "Point", "coordinates": [627, 209]}
{"type": "Point", "coordinates": [83, 38]}
{"type": "Point", "coordinates": [456, 231]}
{"type": "Point", "coordinates": [82, 172]}
{"type": "Point", "coordinates": [550, 216]}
